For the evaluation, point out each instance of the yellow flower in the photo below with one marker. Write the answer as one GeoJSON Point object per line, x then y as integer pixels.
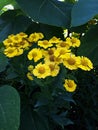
{"type": "Point", "coordinates": [54, 40]}
{"type": "Point", "coordinates": [61, 51]}
{"type": "Point", "coordinates": [22, 34]}
{"type": "Point", "coordinates": [16, 39]}
{"type": "Point", "coordinates": [41, 70]}
{"type": "Point", "coordinates": [52, 59]}
{"type": "Point", "coordinates": [71, 62]}
{"type": "Point", "coordinates": [19, 51]}
{"type": "Point", "coordinates": [41, 36]}
{"type": "Point", "coordinates": [8, 42]}
{"type": "Point", "coordinates": [10, 52]}
{"type": "Point", "coordinates": [75, 41]}
{"type": "Point", "coordinates": [30, 68]}
{"type": "Point", "coordinates": [70, 85]}
{"type": "Point", "coordinates": [64, 44]}
{"type": "Point", "coordinates": [29, 76]}
{"type": "Point", "coordinates": [49, 51]}
{"type": "Point", "coordinates": [34, 37]}
{"type": "Point", "coordinates": [54, 68]}
{"type": "Point", "coordinates": [85, 64]}
{"type": "Point", "coordinates": [35, 54]}
{"type": "Point", "coordinates": [24, 44]}
{"type": "Point", "coordinates": [45, 44]}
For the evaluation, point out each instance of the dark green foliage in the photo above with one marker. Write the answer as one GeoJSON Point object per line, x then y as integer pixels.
{"type": "Point", "coordinates": [83, 11]}
{"type": "Point", "coordinates": [45, 104]}
{"type": "Point", "coordinates": [9, 108]}
{"type": "Point", "coordinates": [50, 12]}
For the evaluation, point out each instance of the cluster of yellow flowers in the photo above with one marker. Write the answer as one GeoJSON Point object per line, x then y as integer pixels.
{"type": "Point", "coordinates": [47, 55]}
{"type": "Point", "coordinates": [16, 44]}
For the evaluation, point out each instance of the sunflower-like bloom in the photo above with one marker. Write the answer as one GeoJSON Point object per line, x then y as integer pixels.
{"type": "Point", "coordinates": [45, 44]}
{"type": "Point", "coordinates": [41, 71]}
{"type": "Point", "coordinates": [34, 37]}
{"type": "Point", "coordinates": [54, 40]}
{"type": "Point", "coordinates": [48, 52]}
{"type": "Point", "coordinates": [29, 76]}
{"type": "Point", "coordinates": [15, 39]}
{"type": "Point", "coordinates": [70, 85]}
{"type": "Point", "coordinates": [52, 59]}
{"type": "Point", "coordinates": [8, 42]}
{"type": "Point", "coordinates": [35, 54]}
{"type": "Point", "coordinates": [85, 64]}
{"type": "Point", "coordinates": [24, 44]}
{"type": "Point", "coordinates": [61, 51]}
{"type": "Point", "coordinates": [71, 62]}
{"type": "Point", "coordinates": [64, 44]}
{"type": "Point", "coordinates": [13, 51]}
{"type": "Point", "coordinates": [54, 68]}
{"type": "Point", "coordinates": [22, 34]}
{"type": "Point", "coordinates": [75, 41]}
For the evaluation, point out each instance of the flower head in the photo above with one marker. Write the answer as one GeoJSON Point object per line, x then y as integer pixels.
{"type": "Point", "coordinates": [74, 41]}
{"type": "Point", "coordinates": [41, 70]}
{"type": "Point", "coordinates": [54, 69]}
{"type": "Point", "coordinates": [34, 37]}
{"type": "Point", "coordinates": [22, 34]}
{"type": "Point", "coordinates": [85, 64]}
{"type": "Point", "coordinates": [13, 51]}
{"type": "Point", "coordinates": [35, 54]}
{"type": "Point", "coordinates": [29, 76]}
{"type": "Point", "coordinates": [64, 44]}
{"type": "Point", "coordinates": [71, 62]}
{"type": "Point", "coordinates": [70, 85]}
{"type": "Point", "coordinates": [61, 51]}
{"type": "Point", "coordinates": [54, 40]}
{"type": "Point", "coordinates": [8, 42]}
{"type": "Point", "coordinates": [45, 44]}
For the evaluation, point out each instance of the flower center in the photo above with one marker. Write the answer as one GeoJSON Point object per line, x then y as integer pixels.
{"type": "Point", "coordinates": [63, 44]}
{"type": "Point", "coordinates": [52, 58]}
{"type": "Point", "coordinates": [45, 42]}
{"type": "Point", "coordinates": [9, 40]}
{"type": "Point", "coordinates": [41, 70]}
{"type": "Point", "coordinates": [70, 85]}
{"type": "Point", "coordinates": [71, 61]}
{"type": "Point", "coordinates": [51, 67]}
{"type": "Point", "coordinates": [84, 63]}
{"type": "Point", "coordinates": [34, 54]}
{"type": "Point", "coordinates": [50, 52]}
{"type": "Point", "coordinates": [73, 41]}
{"type": "Point", "coordinates": [11, 50]}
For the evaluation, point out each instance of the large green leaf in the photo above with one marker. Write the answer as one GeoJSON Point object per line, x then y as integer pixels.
{"type": "Point", "coordinates": [50, 12]}
{"type": "Point", "coordinates": [3, 62]}
{"type": "Point", "coordinates": [13, 22]}
{"type": "Point", "coordinates": [9, 108]}
{"type": "Point", "coordinates": [89, 45]}
{"type": "Point", "coordinates": [83, 11]}
{"type": "Point", "coordinates": [31, 120]}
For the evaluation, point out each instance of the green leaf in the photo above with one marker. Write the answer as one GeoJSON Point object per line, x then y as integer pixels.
{"type": "Point", "coordinates": [31, 120]}
{"type": "Point", "coordinates": [3, 62]}
{"type": "Point", "coordinates": [89, 45]}
{"type": "Point", "coordinates": [50, 12]}
{"type": "Point", "coordinates": [9, 108]}
{"type": "Point", "coordinates": [12, 22]}
{"type": "Point", "coordinates": [27, 121]}
{"type": "Point", "coordinates": [62, 119]}
{"type": "Point", "coordinates": [83, 11]}
{"type": "Point", "coordinates": [40, 121]}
